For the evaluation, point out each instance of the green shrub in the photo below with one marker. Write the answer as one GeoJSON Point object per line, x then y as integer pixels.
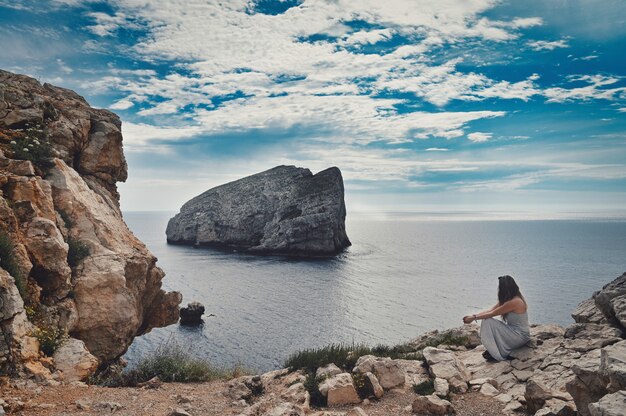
{"type": "Point", "coordinates": [76, 252]}
{"type": "Point", "coordinates": [446, 339]}
{"type": "Point", "coordinates": [170, 362]}
{"type": "Point", "coordinates": [32, 144]}
{"type": "Point", "coordinates": [66, 219]}
{"type": "Point", "coordinates": [50, 338]}
{"type": "Point", "coordinates": [342, 355]}
{"type": "Point", "coordinates": [424, 388]}
{"type": "Point", "coordinates": [311, 384]}
{"type": "Point", "coordinates": [8, 262]}
{"type": "Point", "coordinates": [345, 356]}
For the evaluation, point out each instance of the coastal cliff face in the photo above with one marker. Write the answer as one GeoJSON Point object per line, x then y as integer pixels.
{"type": "Point", "coordinates": [70, 265]}
{"type": "Point", "coordinates": [284, 210]}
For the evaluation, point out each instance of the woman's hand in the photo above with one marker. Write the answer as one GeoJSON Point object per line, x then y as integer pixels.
{"type": "Point", "coordinates": [468, 319]}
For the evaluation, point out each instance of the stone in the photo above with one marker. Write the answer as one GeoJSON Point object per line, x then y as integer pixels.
{"type": "Point", "coordinates": [238, 390]}
{"type": "Point", "coordinates": [604, 298]}
{"type": "Point", "coordinates": [356, 411]}
{"type": "Point", "coordinates": [481, 381]}
{"type": "Point", "coordinates": [536, 395]}
{"type": "Point", "coordinates": [179, 411]}
{"type": "Point", "coordinates": [556, 407]}
{"type": "Point", "coordinates": [328, 371]}
{"type": "Point", "coordinates": [38, 371]}
{"type": "Point", "coordinates": [469, 334]}
{"type": "Point", "coordinates": [431, 405]}
{"type": "Point", "coordinates": [387, 371]}
{"type": "Point", "coordinates": [286, 409]}
{"type": "Point", "coordinates": [610, 405]}
{"type": "Point", "coordinates": [73, 359]}
{"type": "Point", "coordinates": [588, 312]}
{"type": "Point", "coordinates": [192, 314]}
{"type": "Point", "coordinates": [442, 387]}
{"type": "Point", "coordinates": [284, 210]}
{"type": "Point", "coordinates": [372, 384]}
{"type": "Point", "coordinates": [444, 364]}
{"type": "Point", "coordinates": [613, 366]}
{"type": "Point", "coordinates": [339, 390]}
{"type": "Point", "coordinates": [488, 390]}
{"type": "Point", "coordinates": [297, 394]}
{"type": "Point", "coordinates": [587, 337]}
{"type": "Point", "coordinates": [415, 372]}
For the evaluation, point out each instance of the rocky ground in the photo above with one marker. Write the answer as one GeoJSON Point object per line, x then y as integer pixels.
{"type": "Point", "coordinates": [195, 399]}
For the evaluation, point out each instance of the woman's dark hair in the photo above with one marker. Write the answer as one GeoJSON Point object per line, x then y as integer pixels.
{"type": "Point", "coordinates": [508, 289]}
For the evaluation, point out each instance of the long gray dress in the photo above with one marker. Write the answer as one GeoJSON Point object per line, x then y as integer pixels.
{"type": "Point", "coordinates": [501, 338]}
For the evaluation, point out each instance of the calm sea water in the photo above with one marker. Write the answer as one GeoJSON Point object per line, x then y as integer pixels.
{"type": "Point", "coordinates": [400, 278]}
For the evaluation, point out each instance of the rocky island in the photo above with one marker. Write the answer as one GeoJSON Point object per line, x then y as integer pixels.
{"type": "Point", "coordinates": [76, 286]}
{"type": "Point", "coordinates": [285, 210]}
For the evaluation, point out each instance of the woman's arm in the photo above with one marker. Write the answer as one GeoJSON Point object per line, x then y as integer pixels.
{"type": "Point", "coordinates": [498, 309]}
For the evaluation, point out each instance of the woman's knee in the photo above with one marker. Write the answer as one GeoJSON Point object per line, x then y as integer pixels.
{"type": "Point", "coordinates": [487, 324]}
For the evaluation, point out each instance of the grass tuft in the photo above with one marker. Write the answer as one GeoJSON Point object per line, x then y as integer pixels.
{"type": "Point", "coordinates": [9, 263]}
{"type": "Point", "coordinates": [424, 388]}
{"type": "Point", "coordinates": [170, 363]}
{"type": "Point", "coordinates": [76, 252]}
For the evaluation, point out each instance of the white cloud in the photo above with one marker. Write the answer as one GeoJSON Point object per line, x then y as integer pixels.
{"type": "Point", "coordinates": [596, 89]}
{"type": "Point", "coordinates": [544, 45]}
{"type": "Point", "coordinates": [479, 137]}
{"type": "Point", "coordinates": [436, 149]}
{"type": "Point", "coordinates": [121, 105]}
{"type": "Point", "coordinates": [622, 110]}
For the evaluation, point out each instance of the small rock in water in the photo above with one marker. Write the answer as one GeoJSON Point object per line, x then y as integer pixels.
{"type": "Point", "coordinates": [192, 314]}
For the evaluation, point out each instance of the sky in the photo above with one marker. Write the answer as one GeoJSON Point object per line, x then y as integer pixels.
{"type": "Point", "coordinates": [476, 106]}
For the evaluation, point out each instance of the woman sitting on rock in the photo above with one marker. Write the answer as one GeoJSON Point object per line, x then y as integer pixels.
{"type": "Point", "coordinates": [500, 338]}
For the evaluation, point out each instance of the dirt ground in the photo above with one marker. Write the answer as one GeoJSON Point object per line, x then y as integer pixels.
{"type": "Point", "coordinates": [195, 399]}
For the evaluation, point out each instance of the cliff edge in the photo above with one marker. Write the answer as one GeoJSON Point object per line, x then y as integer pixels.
{"type": "Point", "coordinates": [75, 283]}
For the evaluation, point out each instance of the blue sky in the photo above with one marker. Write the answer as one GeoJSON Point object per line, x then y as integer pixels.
{"type": "Point", "coordinates": [448, 105]}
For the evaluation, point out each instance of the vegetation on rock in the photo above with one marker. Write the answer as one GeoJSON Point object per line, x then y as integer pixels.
{"type": "Point", "coordinates": [76, 252]}
{"type": "Point", "coordinates": [8, 263]}
{"type": "Point", "coordinates": [31, 144]}
{"type": "Point", "coordinates": [345, 356]}
{"type": "Point", "coordinates": [424, 388]}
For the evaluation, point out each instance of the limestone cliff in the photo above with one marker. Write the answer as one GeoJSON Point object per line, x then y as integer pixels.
{"type": "Point", "coordinates": [80, 270]}
{"type": "Point", "coordinates": [284, 210]}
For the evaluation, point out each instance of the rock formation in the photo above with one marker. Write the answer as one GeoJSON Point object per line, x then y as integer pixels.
{"type": "Point", "coordinates": [80, 270]}
{"type": "Point", "coordinates": [284, 210]}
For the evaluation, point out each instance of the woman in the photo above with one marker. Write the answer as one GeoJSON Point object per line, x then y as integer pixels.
{"type": "Point", "coordinates": [500, 338]}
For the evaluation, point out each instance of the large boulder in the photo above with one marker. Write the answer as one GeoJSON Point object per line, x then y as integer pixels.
{"type": "Point", "coordinates": [284, 210]}
{"type": "Point", "coordinates": [339, 390]}
{"type": "Point", "coordinates": [611, 301]}
{"type": "Point", "coordinates": [445, 364]}
{"type": "Point", "coordinates": [388, 372]}
{"type": "Point", "coordinates": [73, 359]}
{"type": "Point", "coordinates": [610, 405]}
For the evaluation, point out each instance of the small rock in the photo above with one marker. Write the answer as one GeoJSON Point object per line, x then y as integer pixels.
{"type": "Point", "coordinates": [328, 371]}
{"type": "Point", "coordinates": [154, 383]}
{"type": "Point", "coordinates": [373, 384]}
{"type": "Point", "coordinates": [108, 406]}
{"type": "Point", "coordinates": [192, 314]}
{"type": "Point", "coordinates": [83, 404]}
{"type": "Point", "coordinates": [442, 387]}
{"type": "Point", "coordinates": [431, 405]}
{"type": "Point", "coordinates": [489, 390]}
{"type": "Point", "coordinates": [356, 411]}
{"type": "Point", "coordinates": [178, 412]}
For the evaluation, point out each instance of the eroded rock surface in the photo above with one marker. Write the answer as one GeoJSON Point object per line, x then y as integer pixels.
{"type": "Point", "coordinates": [83, 272]}
{"type": "Point", "coordinates": [284, 210]}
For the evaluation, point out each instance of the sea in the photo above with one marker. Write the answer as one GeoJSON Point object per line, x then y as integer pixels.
{"type": "Point", "coordinates": [404, 274]}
